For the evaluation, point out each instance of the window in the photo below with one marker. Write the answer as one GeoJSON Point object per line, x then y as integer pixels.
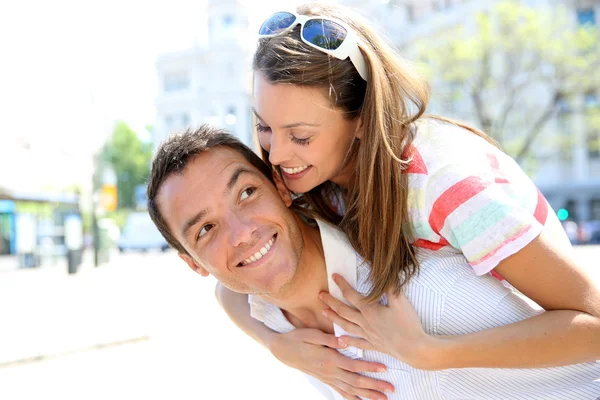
{"type": "Point", "coordinates": [227, 20]}
{"type": "Point", "coordinates": [586, 16]}
{"type": "Point", "coordinates": [595, 209]}
{"type": "Point", "coordinates": [175, 81]}
{"type": "Point", "coordinates": [168, 121]}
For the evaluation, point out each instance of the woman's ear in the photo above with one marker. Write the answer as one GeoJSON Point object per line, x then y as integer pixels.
{"type": "Point", "coordinates": [284, 192]}
{"type": "Point", "coordinates": [358, 134]}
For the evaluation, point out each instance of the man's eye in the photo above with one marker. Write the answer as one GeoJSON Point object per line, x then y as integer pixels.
{"type": "Point", "coordinates": [204, 230]}
{"type": "Point", "coordinates": [247, 193]}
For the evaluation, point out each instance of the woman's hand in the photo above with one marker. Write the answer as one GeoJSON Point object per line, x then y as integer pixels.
{"type": "Point", "coordinates": [313, 352]}
{"type": "Point", "coordinates": [394, 329]}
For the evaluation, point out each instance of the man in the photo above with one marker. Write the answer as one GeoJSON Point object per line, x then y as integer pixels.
{"type": "Point", "coordinates": [218, 205]}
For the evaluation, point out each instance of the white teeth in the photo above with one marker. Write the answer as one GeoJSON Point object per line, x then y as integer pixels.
{"type": "Point", "coordinates": [295, 170]}
{"type": "Point", "coordinates": [259, 254]}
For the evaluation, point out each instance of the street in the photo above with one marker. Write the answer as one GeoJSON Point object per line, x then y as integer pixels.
{"type": "Point", "coordinates": [142, 326]}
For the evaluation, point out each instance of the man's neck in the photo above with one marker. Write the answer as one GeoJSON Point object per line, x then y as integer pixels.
{"type": "Point", "coordinates": [300, 299]}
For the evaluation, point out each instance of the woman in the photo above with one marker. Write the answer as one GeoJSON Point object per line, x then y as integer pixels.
{"type": "Point", "coordinates": [341, 118]}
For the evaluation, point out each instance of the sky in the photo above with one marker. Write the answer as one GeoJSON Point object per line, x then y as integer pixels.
{"type": "Point", "coordinates": [70, 68]}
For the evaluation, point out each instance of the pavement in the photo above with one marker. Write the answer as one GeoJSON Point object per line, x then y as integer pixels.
{"type": "Point", "coordinates": [142, 326]}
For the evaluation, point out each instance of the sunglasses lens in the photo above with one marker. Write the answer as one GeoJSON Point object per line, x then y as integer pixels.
{"type": "Point", "coordinates": [276, 23]}
{"type": "Point", "coordinates": [325, 34]}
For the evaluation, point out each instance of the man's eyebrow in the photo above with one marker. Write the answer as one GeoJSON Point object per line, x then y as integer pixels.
{"type": "Point", "coordinates": [192, 221]}
{"type": "Point", "coordinates": [236, 175]}
{"type": "Point", "coordinates": [288, 126]}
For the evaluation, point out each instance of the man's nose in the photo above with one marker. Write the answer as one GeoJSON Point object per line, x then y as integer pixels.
{"type": "Point", "coordinates": [279, 151]}
{"type": "Point", "coordinates": [241, 231]}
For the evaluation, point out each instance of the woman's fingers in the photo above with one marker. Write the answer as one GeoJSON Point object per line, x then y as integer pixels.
{"type": "Point", "coordinates": [355, 298]}
{"type": "Point", "coordinates": [356, 342]}
{"type": "Point", "coordinates": [348, 326]}
{"type": "Point", "coordinates": [343, 310]}
{"type": "Point", "coordinates": [357, 391]}
{"type": "Point", "coordinates": [318, 337]}
{"type": "Point", "coordinates": [365, 383]}
{"type": "Point", "coordinates": [359, 366]}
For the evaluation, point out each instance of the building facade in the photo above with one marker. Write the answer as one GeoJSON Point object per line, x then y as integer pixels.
{"type": "Point", "coordinates": [209, 83]}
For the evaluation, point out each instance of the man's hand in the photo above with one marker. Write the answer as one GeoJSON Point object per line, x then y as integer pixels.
{"type": "Point", "coordinates": [313, 352]}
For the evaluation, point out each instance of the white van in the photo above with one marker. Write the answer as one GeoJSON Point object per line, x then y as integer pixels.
{"type": "Point", "coordinates": [140, 233]}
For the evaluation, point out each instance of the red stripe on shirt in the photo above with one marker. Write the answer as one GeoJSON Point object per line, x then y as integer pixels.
{"type": "Point", "coordinates": [452, 198]}
{"type": "Point", "coordinates": [496, 275]}
{"type": "Point", "coordinates": [499, 176]}
{"type": "Point", "coordinates": [541, 210]}
{"type": "Point", "coordinates": [416, 165]}
{"type": "Point", "coordinates": [426, 244]}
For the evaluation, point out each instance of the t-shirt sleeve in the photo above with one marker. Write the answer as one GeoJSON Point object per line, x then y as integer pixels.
{"type": "Point", "coordinates": [485, 212]}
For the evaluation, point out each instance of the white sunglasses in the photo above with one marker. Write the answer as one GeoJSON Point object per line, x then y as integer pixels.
{"type": "Point", "coordinates": [328, 35]}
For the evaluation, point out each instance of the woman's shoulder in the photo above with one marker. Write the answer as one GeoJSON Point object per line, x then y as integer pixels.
{"type": "Point", "coordinates": [440, 145]}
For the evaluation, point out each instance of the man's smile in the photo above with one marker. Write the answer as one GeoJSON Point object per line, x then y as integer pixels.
{"type": "Point", "coordinates": [259, 254]}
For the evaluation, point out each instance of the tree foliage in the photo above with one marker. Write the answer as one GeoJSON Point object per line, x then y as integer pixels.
{"type": "Point", "coordinates": [513, 70]}
{"type": "Point", "coordinates": [130, 159]}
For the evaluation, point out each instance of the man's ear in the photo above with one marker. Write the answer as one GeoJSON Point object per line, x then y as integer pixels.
{"type": "Point", "coordinates": [284, 192]}
{"type": "Point", "coordinates": [193, 265]}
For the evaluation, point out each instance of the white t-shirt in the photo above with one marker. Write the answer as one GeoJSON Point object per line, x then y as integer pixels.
{"type": "Point", "coordinates": [450, 299]}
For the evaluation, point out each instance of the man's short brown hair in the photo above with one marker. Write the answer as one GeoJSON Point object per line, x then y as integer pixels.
{"type": "Point", "coordinates": [173, 156]}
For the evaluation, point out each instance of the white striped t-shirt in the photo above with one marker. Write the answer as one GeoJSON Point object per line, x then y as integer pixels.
{"type": "Point", "coordinates": [450, 299]}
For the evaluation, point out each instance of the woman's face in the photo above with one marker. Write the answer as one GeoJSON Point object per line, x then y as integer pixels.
{"type": "Point", "coordinates": [303, 134]}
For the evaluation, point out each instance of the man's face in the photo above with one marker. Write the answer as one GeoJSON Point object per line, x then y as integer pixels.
{"type": "Point", "coordinates": [233, 222]}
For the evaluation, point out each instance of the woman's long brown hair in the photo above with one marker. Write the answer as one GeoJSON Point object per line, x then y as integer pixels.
{"type": "Point", "coordinates": [376, 219]}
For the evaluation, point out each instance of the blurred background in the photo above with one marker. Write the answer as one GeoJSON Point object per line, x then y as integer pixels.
{"type": "Point", "coordinates": [93, 304]}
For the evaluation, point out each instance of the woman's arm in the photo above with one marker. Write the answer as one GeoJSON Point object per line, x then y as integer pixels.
{"type": "Point", "coordinates": [308, 350]}
{"type": "Point", "coordinates": [544, 270]}
{"type": "Point", "coordinates": [567, 333]}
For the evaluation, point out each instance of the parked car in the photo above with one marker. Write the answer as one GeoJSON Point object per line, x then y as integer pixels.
{"type": "Point", "coordinates": [140, 234]}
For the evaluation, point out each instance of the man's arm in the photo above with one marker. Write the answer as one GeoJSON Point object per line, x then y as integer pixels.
{"type": "Point", "coordinates": [237, 308]}
{"type": "Point", "coordinates": [308, 350]}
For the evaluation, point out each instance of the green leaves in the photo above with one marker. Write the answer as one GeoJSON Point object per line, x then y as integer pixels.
{"type": "Point", "coordinates": [130, 159]}
{"type": "Point", "coordinates": [507, 69]}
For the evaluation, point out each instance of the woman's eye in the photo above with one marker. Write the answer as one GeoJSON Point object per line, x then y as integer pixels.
{"type": "Point", "coordinates": [261, 128]}
{"type": "Point", "coordinates": [247, 193]}
{"type": "Point", "coordinates": [301, 142]}
{"type": "Point", "coordinates": [204, 230]}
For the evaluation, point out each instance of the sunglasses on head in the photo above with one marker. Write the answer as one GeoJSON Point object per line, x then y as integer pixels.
{"type": "Point", "coordinates": [325, 34]}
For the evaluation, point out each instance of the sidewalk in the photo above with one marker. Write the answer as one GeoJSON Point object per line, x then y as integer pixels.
{"type": "Point", "coordinates": [143, 326]}
{"type": "Point", "coordinates": [47, 312]}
